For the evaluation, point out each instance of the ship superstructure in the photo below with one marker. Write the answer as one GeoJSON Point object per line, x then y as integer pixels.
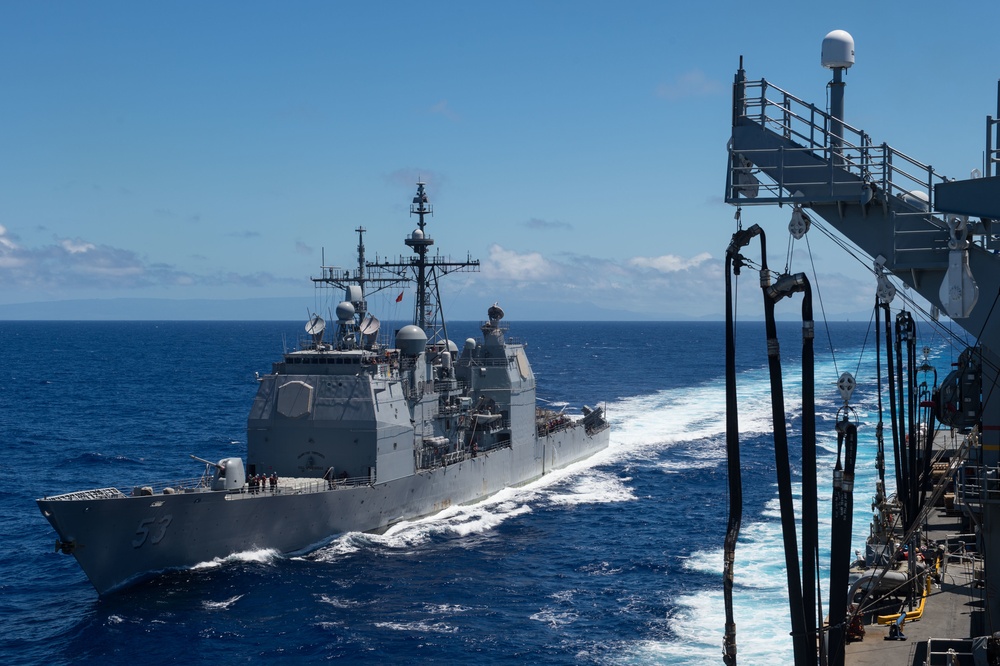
{"type": "Point", "coordinates": [347, 433]}
{"type": "Point", "coordinates": [936, 525]}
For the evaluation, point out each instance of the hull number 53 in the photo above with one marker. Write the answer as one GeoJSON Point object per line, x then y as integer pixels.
{"type": "Point", "coordinates": [152, 529]}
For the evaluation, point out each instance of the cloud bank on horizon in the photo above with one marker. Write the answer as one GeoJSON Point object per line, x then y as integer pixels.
{"type": "Point", "coordinates": [71, 268]}
{"type": "Point", "coordinates": [653, 287]}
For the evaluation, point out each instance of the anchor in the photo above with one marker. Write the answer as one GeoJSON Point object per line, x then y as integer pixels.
{"type": "Point", "coordinates": [66, 547]}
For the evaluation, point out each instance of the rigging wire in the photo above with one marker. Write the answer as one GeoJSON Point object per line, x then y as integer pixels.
{"type": "Point", "coordinates": [944, 331]}
{"type": "Point", "coordinates": [938, 491]}
{"type": "Point", "coordinates": [988, 315]}
{"type": "Point", "coordinates": [864, 343]}
{"type": "Point", "coordinates": [819, 297]}
{"type": "Point", "coordinates": [912, 513]}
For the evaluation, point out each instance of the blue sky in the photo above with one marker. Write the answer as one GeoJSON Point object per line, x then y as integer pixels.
{"type": "Point", "coordinates": [193, 150]}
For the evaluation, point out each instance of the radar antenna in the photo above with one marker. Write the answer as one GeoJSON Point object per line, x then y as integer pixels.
{"type": "Point", "coordinates": [426, 269]}
{"type": "Point", "coordinates": [334, 276]}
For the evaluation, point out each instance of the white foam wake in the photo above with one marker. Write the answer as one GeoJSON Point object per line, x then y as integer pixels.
{"type": "Point", "coordinates": [761, 595]}
{"type": "Point", "coordinates": [261, 556]}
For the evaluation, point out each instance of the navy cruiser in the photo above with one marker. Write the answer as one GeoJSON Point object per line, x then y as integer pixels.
{"type": "Point", "coordinates": [345, 434]}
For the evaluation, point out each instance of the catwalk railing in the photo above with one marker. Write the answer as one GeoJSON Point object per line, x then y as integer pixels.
{"type": "Point", "coordinates": [810, 128]}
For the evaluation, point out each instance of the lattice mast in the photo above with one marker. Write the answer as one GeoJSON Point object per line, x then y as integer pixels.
{"type": "Point", "coordinates": [426, 269]}
{"type": "Point", "coordinates": [334, 276]}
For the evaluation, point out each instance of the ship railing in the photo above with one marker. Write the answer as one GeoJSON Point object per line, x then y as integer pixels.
{"type": "Point", "coordinates": [170, 487]}
{"type": "Point", "coordinates": [414, 390]}
{"type": "Point", "coordinates": [95, 494]}
{"type": "Point", "coordinates": [487, 325]}
{"type": "Point", "coordinates": [427, 459]}
{"type": "Point", "coordinates": [979, 484]}
{"type": "Point", "coordinates": [430, 459]}
{"type": "Point", "coordinates": [286, 486]}
{"type": "Point", "coordinates": [554, 425]}
{"type": "Point", "coordinates": [966, 554]}
{"type": "Point", "coordinates": [802, 123]}
{"type": "Point", "coordinates": [503, 361]}
{"type": "Point", "coordinates": [452, 385]}
{"type": "Point", "coordinates": [453, 410]}
{"type": "Point", "coordinates": [960, 549]}
{"type": "Point", "coordinates": [300, 486]}
{"type": "Point", "coordinates": [493, 426]}
{"type": "Point", "coordinates": [147, 489]}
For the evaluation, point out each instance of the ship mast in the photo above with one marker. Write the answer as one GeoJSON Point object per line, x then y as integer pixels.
{"type": "Point", "coordinates": [334, 276]}
{"type": "Point", "coordinates": [426, 269]}
{"type": "Point", "coordinates": [420, 242]}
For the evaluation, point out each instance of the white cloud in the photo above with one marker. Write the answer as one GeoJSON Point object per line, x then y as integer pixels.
{"type": "Point", "coordinates": [76, 246]}
{"type": "Point", "coordinates": [658, 287]}
{"type": "Point", "coordinates": [70, 266]}
{"type": "Point", "coordinates": [6, 242]}
{"type": "Point", "coordinates": [8, 251]}
{"type": "Point", "coordinates": [551, 285]}
{"type": "Point", "coordinates": [506, 264]}
{"type": "Point", "coordinates": [670, 263]}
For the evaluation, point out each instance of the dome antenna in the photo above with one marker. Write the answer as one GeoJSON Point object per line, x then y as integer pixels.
{"type": "Point", "coordinates": [838, 55]}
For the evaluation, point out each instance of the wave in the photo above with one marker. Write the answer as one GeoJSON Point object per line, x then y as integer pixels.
{"type": "Point", "coordinates": [338, 602]}
{"type": "Point", "coordinates": [579, 483]}
{"type": "Point", "coordinates": [598, 487]}
{"type": "Point", "coordinates": [93, 457]}
{"type": "Point", "coordinates": [419, 627]}
{"type": "Point", "coordinates": [696, 623]}
{"type": "Point", "coordinates": [221, 605]}
{"type": "Point", "coordinates": [261, 556]}
{"type": "Point", "coordinates": [554, 618]}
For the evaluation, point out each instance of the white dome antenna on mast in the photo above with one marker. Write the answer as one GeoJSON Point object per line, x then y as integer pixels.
{"type": "Point", "coordinates": [838, 55]}
{"type": "Point", "coordinates": [838, 50]}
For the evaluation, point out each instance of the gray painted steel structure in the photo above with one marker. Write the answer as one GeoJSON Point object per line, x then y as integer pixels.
{"type": "Point", "coordinates": [907, 218]}
{"type": "Point", "coordinates": [360, 436]}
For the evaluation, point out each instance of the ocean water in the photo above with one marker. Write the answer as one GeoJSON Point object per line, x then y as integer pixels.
{"type": "Point", "coordinates": [616, 560]}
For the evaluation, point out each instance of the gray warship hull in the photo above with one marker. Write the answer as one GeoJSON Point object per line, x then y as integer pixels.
{"type": "Point", "coordinates": [121, 539]}
{"type": "Point", "coordinates": [350, 435]}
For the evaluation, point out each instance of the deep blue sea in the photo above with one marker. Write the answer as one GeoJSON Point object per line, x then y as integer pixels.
{"type": "Point", "coordinates": [617, 560]}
